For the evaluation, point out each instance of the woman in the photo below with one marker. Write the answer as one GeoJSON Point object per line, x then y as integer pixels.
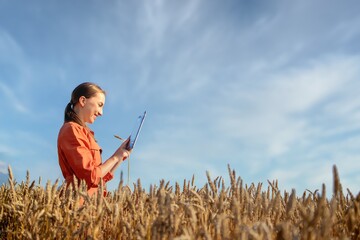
{"type": "Point", "coordinates": [78, 152]}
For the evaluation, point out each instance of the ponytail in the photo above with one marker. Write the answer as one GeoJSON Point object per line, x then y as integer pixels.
{"type": "Point", "coordinates": [70, 115]}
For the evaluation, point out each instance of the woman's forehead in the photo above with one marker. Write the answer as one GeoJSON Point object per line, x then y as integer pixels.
{"type": "Point", "coordinates": [99, 96]}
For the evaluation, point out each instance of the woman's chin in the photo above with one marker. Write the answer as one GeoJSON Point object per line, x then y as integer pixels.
{"type": "Point", "coordinates": [90, 121]}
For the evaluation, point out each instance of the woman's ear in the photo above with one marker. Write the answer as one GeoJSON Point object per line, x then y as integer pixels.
{"type": "Point", "coordinates": [82, 101]}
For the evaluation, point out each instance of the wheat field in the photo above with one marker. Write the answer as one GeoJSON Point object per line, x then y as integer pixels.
{"type": "Point", "coordinates": [183, 211]}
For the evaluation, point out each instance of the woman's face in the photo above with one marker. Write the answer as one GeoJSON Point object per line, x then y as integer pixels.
{"type": "Point", "coordinates": [91, 108]}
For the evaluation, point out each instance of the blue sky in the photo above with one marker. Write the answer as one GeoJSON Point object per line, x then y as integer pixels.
{"type": "Point", "coordinates": [269, 87]}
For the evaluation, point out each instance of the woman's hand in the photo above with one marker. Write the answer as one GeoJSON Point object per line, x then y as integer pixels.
{"type": "Point", "coordinates": [122, 153]}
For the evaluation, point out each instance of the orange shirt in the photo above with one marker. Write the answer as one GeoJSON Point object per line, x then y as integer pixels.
{"type": "Point", "coordinates": [80, 155]}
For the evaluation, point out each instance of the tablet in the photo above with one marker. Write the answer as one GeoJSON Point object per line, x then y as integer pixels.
{"type": "Point", "coordinates": [135, 133]}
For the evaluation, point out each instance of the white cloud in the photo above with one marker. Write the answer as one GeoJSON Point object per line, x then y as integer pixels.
{"type": "Point", "coordinates": [10, 51]}
{"type": "Point", "coordinates": [11, 57]}
{"type": "Point", "coordinates": [13, 98]}
{"type": "Point", "coordinates": [303, 175]}
{"type": "Point", "coordinates": [3, 167]}
{"type": "Point", "coordinates": [274, 112]}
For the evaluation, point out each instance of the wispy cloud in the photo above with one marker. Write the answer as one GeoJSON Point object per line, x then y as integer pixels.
{"type": "Point", "coordinates": [262, 91]}
{"type": "Point", "coordinates": [9, 49]}
{"type": "Point", "coordinates": [281, 103]}
{"type": "Point", "coordinates": [12, 98]}
{"type": "Point", "coordinates": [11, 57]}
{"type": "Point", "coordinates": [3, 167]}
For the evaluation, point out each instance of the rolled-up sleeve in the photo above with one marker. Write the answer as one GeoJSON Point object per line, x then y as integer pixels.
{"type": "Point", "coordinates": [108, 177]}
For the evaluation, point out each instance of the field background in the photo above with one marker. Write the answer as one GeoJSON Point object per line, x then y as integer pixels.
{"type": "Point", "coordinates": [183, 211]}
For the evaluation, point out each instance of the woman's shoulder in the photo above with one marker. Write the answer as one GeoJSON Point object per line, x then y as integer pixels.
{"type": "Point", "coordinates": [71, 131]}
{"type": "Point", "coordinates": [72, 128]}
{"type": "Point", "coordinates": [71, 125]}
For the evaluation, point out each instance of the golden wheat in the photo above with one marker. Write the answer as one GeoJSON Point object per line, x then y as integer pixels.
{"type": "Point", "coordinates": [215, 211]}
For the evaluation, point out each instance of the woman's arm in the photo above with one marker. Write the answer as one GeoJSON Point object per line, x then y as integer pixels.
{"type": "Point", "coordinates": [111, 164]}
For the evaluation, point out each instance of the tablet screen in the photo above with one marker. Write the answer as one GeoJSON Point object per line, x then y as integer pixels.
{"type": "Point", "coordinates": [135, 133]}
